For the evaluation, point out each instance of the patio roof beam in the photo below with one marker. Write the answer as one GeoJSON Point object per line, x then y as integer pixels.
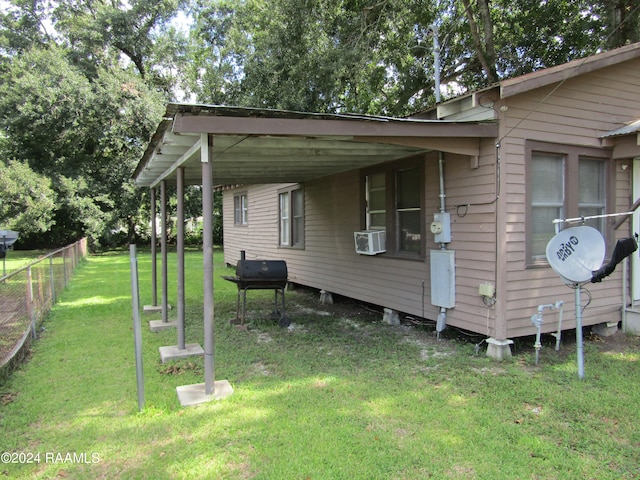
{"type": "Point", "coordinates": [221, 125]}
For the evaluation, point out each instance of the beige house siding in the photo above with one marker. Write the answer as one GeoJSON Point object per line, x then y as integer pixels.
{"type": "Point", "coordinates": [333, 212]}
{"type": "Point", "coordinates": [576, 114]}
{"type": "Point", "coordinates": [487, 200]}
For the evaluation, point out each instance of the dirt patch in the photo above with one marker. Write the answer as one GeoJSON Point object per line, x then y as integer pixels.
{"type": "Point", "coordinates": [264, 338]}
{"type": "Point", "coordinates": [619, 342]}
{"type": "Point", "coordinates": [421, 332]}
{"type": "Point", "coordinates": [7, 397]}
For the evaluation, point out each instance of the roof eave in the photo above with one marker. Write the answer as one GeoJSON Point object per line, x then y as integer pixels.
{"type": "Point", "coordinates": [551, 75]}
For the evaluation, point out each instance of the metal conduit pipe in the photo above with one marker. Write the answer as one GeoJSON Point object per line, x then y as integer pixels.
{"type": "Point", "coordinates": [433, 30]}
{"type": "Point", "coordinates": [441, 322]}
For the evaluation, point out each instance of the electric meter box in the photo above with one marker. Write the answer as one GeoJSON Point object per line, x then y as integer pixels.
{"type": "Point", "coordinates": [441, 227]}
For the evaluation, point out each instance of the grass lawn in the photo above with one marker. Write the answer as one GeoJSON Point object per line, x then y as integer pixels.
{"type": "Point", "coordinates": [16, 259]}
{"type": "Point", "coordinates": [338, 395]}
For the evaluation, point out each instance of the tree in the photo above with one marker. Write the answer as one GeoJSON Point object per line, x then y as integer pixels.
{"type": "Point", "coordinates": [22, 27]}
{"type": "Point", "coordinates": [83, 82]}
{"type": "Point", "coordinates": [86, 135]}
{"type": "Point", "coordinates": [373, 56]}
{"type": "Point", "coordinates": [76, 112]}
{"type": "Point", "coordinates": [622, 21]}
{"type": "Point", "coordinates": [28, 202]}
{"type": "Point", "coordinates": [310, 55]}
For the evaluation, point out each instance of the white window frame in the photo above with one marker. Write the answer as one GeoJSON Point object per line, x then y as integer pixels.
{"type": "Point", "coordinates": [240, 209]}
{"type": "Point", "coordinates": [291, 217]}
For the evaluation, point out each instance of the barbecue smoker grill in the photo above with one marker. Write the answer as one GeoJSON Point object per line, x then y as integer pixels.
{"type": "Point", "coordinates": [259, 275]}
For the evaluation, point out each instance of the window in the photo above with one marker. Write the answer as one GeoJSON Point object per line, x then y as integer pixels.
{"type": "Point", "coordinates": [240, 209]}
{"type": "Point", "coordinates": [547, 199]}
{"type": "Point", "coordinates": [291, 217]}
{"type": "Point", "coordinates": [376, 202]}
{"type": "Point", "coordinates": [394, 202]}
{"type": "Point", "coordinates": [563, 182]}
{"type": "Point", "coordinates": [591, 191]}
{"type": "Point", "coordinates": [408, 210]}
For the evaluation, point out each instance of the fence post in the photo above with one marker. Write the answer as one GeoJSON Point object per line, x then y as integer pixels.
{"type": "Point", "coordinates": [137, 329]}
{"type": "Point", "coordinates": [64, 267]}
{"type": "Point", "coordinates": [30, 309]}
{"type": "Point", "coordinates": [52, 280]}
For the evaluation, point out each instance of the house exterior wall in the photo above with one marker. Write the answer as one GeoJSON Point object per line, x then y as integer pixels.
{"type": "Point", "coordinates": [487, 200]}
{"type": "Point", "coordinates": [334, 210]}
{"type": "Point", "coordinates": [577, 114]}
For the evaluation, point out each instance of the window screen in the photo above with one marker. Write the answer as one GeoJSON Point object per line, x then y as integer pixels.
{"type": "Point", "coordinates": [547, 199]}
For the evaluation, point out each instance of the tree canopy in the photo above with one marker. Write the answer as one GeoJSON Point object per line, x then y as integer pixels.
{"type": "Point", "coordinates": [84, 82]}
{"type": "Point", "coordinates": [376, 56]}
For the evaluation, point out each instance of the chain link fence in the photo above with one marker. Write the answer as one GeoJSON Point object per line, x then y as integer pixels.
{"type": "Point", "coordinates": [26, 297]}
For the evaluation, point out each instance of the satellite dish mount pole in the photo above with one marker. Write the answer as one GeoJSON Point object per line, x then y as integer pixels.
{"type": "Point", "coordinates": [579, 342]}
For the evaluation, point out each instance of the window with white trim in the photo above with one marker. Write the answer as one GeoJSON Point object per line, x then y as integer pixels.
{"type": "Point", "coordinates": [291, 217]}
{"type": "Point", "coordinates": [547, 199]}
{"type": "Point", "coordinates": [240, 209]}
{"type": "Point", "coordinates": [376, 201]}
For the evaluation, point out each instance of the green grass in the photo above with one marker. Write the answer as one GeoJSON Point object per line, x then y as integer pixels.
{"type": "Point", "coordinates": [16, 259]}
{"type": "Point", "coordinates": [336, 396]}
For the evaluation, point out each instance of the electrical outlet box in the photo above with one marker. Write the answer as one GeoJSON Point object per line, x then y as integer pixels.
{"type": "Point", "coordinates": [487, 290]}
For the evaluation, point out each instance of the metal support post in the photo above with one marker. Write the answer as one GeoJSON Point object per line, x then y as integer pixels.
{"type": "Point", "coordinates": [579, 344]}
{"type": "Point", "coordinates": [180, 257]}
{"type": "Point", "coordinates": [207, 253]}
{"type": "Point", "coordinates": [154, 241]}
{"type": "Point", "coordinates": [163, 250]}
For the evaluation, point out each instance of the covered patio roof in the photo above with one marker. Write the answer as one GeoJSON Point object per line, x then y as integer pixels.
{"type": "Point", "coordinates": [248, 145]}
{"type": "Point", "coordinates": [212, 145]}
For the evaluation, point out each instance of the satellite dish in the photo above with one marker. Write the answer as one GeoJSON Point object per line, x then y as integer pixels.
{"type": "Point", "coordinates": [575, 253]}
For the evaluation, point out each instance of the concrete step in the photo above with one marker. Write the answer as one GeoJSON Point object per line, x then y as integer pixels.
{"type": "Point", "coordinates": [632, 320]}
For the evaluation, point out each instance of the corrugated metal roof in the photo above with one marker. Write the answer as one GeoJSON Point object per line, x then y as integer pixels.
{"type": "Point", "coordinates": [633, 127]}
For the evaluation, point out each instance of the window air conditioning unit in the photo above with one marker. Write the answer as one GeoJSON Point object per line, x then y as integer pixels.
{"type": "Point", "coordinates": [370, 242]}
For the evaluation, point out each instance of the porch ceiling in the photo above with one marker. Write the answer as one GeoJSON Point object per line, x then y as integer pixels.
{"type": "Point", "coordinates": [268, 146]}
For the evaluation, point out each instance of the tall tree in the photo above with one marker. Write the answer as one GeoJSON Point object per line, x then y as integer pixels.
{"type": "Point", "coordinates": [372, 56]}
{"type": "Point", "coordinates": [83, 85]}
{"type": "Point", "coordinates": [622, 21]}
{"type": "Point", "coordinates": [316, 55]}
{"type": "Point", "coordinates": [27, 203]}
{"type": "Point", "coordinates": [482, 34]}
{"type": "Point", "coordinates": [84, 134]}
